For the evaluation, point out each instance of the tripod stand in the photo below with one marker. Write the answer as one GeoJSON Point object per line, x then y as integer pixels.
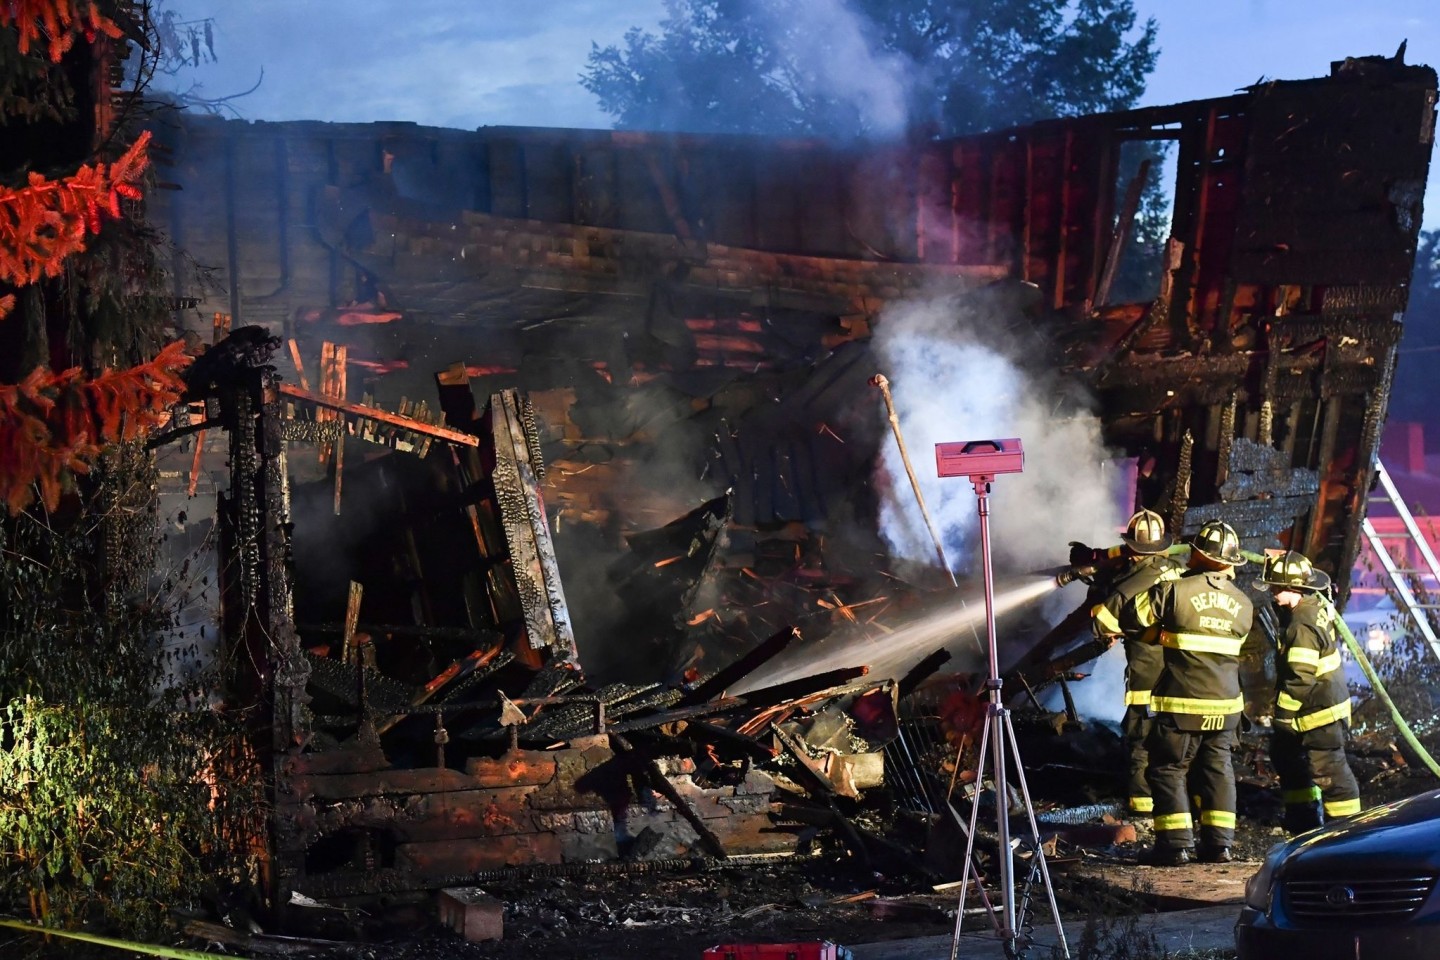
{"type": "Point", "coordinates": [998, 735]}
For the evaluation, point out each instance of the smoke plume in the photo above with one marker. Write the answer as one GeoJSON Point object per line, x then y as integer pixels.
{"type": "Point", "coordinates": [956, 375]}
{"type": "Point", "coordinates": [839, 66]}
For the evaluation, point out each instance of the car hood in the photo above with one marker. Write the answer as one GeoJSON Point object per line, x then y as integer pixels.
{"type": "Point", "coordinates": [1393, 837]}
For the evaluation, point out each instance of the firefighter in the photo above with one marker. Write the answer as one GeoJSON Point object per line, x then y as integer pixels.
{"type": "Point", "coordinates": [1312, 703]}
{"type": "Point", "coordinates": [1116, 618]}
{"type": "Point", "coordinates": [1200, 621]}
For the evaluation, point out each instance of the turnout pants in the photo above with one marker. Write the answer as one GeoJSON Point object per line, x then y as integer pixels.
{"type": "Point", "coordinates": [1202, 758]}
{"type": "Point", "coordinates": [1312, 768]}
{"type": "Point", "coordinates": [1136, 726]}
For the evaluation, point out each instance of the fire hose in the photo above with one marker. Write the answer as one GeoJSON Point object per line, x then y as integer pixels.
{"type": "Point", "coordinates": [1365, 667]}
{"type": "Point", "coordinates": [172, 953]}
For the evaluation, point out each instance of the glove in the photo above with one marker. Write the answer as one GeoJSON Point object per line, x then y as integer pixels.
{"type": "Point", "coordinates": [1083, 556]}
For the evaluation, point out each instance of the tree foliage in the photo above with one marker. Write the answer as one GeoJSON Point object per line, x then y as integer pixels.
{"type": "Point", "coordinates": [842, 68]}
{"type": "Point", "coordinates": [55, 424]}
{"type": "Point", "coordinates": [52, 424]}
{"type": "Point", "coordinates": [109, 745]}
{"type": "Point", "coordinates": [56, 23]}
{"type": "Point", "coordinates": [45, 222]}
{"type": "Point", "coordinates": [108, 756]}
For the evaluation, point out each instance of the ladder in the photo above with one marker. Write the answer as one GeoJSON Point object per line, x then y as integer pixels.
{"type": "Point", "coordinates": [1386, 493]}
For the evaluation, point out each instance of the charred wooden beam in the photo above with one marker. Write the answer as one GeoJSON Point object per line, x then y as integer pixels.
{"type": "Point", "coordinates": [1123, 223]}
{"type": "Point", "coordinates": [666, 789]}
{"type": "Point", "coordinates": [921, 672]}
{"type": "Point", "coordinates": [727, 677]}
{"type": "Point", "coordinates": [1065, 631]}
{"type": "Point", "coordinates": [383, 416]}
{"type": "Point", "coordinates": [712, 733]}
{"type": "Point", "coordinates": [713, 708]}
{"type": "Point", "coordinates": [527, 531]}
{"type": "Point", "coordinates": [804, 687]}
{"type": "Point", "coordinates": [458, 669]}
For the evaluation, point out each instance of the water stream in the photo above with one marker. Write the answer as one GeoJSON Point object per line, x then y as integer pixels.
{"type": "Point", "coordinates": [958, 627]}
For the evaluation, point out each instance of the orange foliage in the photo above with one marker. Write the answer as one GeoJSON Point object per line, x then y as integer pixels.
{"type": "Point", "coordinates": [43, 223]}
{"type": "Point", "coordinates": [55, 423]}
{"type": "Point", "coordinates": [56, 21]}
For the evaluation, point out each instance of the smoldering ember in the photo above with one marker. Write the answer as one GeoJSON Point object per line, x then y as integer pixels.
{"type": "Point", "coordinates": [550, 517]}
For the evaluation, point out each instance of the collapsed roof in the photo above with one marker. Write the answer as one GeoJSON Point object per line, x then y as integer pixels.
{"type": "Point", "coordinates": [689, 320]}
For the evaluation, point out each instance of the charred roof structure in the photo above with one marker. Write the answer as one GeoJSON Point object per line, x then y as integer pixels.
{"type": "Point", "coordinates": [666, 326]}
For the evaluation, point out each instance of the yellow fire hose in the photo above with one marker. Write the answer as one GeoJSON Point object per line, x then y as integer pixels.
{"type": "Point", "coordinates": [1359, 653]}
{"type": "Point", "coordinates": [174, 953]}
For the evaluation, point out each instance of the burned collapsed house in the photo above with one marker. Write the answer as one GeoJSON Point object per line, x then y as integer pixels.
{"type": "Point", "coordinates": [610, 411]}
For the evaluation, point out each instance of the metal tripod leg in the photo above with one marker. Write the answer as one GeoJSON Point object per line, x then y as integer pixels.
{"type": "Point", "coordinates": [970, 849]}
{"type": "Point", "coordinates": [1005, 919]}
{"type": "Point", "coordinates": [1035, 833]}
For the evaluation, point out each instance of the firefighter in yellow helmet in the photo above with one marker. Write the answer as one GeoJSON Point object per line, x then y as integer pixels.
{"type": "Point", "coordinates": [1312, 699]}
{"type": "Point", "coordinates": [1119, 617]}
{"type": "Point", "coordinates": [1200, 622]}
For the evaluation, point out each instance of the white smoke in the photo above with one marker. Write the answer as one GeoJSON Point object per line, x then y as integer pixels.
{"type": "Point", "coordinates": [1101, 695]}
{"type": "Point", "coordinates": [835, 58]}
{"type": "Point", "coordinates": [954, 378]}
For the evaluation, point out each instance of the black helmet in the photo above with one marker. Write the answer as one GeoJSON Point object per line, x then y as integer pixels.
{"type": "Point", "coordinates": [1145, 533]}
{"type": "Point", "coordinates": [1219, 542]}
{"type": "Point", "coordinates": [1294, 571]}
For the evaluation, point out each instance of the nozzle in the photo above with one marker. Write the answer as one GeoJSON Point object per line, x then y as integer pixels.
{"type": "Point", "coordinates": [1071, 574]}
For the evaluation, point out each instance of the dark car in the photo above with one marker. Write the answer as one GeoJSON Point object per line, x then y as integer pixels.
{"type": "Point", "coordinates": [1362, 887]}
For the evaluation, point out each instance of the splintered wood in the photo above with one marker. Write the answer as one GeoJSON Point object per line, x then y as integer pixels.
{"type": "Point", "coordinates": [352, 617]}
{"type": "Point", "coordinates": [195, 463]}
{"type": "Point", "coordinates": [331, 388]}
{"type": "Point", "coordinates": [338, 383]}
{"type": "Point", "coordinates": [299, 364]}
{"type": "Point", "coordinates": [396, 423]}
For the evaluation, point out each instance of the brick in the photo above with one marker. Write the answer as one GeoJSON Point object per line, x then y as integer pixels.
{"type": "Point", "coordinates": [472, 913]}
{"type": "Point", "coordinates": [1098, 834]}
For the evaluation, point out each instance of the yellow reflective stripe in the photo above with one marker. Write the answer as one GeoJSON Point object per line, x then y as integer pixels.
{"type": "Point", "coordinates": [1173, 821]}
{"type": "Point", "coordinates": [1142, 804]}
{"type": "Point", "coordinates": [1142, 608]}
{"type": "Point", "coordinates": [1202, 643]}
{"type": "Point", "coordinates": [1114, 553]}
{"type": "Point", "coordinates": [1286, 702]}
{"type": "Point", "coordinates": [1341, 711]}
{"type": "Point", "coordinates": [1217, 818]}
{"type": "Point", "coordinates": [1342, 808]}
{"type": "Point", "coordinates": [1305, 795]}
{"type": "Point", "coordinates": [1105, 620]}
{"type": "Point", "coordinates": [1303, 655]}
{"type": "Point", "coordinates": [1197, 705]}
{"type": "Point", "coordinates": [1137, 698]}
{"type": "Point", "coordinates": [1328, 664]}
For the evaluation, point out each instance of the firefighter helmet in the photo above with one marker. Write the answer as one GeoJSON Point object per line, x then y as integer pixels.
{"type": "Point", "coordinates": [1145, 533]}
{"type": "Point", "coordinates": [1219, 542]}
{"type": "Point", "coordinates": [1293, 571]}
